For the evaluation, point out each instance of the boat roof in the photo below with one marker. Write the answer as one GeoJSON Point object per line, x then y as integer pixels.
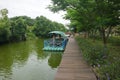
{"type": "Point", "coordinates": [58, 32]}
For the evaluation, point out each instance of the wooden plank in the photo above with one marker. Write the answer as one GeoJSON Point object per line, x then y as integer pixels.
{"type": "Point", "coordinates": [72, 66]}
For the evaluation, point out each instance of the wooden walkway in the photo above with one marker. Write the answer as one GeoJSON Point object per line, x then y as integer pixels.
{"type": "Point", "coordinates": [72, 66]}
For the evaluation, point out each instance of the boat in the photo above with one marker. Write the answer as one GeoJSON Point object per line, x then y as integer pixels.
{"type": "Point", "coordinates": [57, 42]}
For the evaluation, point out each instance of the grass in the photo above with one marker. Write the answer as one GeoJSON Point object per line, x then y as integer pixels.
{"type": "Point", "coordinates": [104, 60]}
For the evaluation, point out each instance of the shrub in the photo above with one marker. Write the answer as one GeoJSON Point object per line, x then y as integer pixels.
{"type": "Point", "coordinates": [105, 60]}
{"type": "Point", "coordinates": [93, 54]}
{"type": "Point", "coordinates": [115, 41]}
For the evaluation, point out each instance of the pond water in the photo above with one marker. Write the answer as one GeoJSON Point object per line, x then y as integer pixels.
{"type": "Point", "coordinates": [27, 61]}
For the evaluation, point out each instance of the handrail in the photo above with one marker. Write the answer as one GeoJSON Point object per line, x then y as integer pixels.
{"type": "Point", "coordinates": [56, 44]}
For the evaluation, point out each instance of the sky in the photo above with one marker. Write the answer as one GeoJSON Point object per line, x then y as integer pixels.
{"type": "Point", "coordinates": [32, 8]}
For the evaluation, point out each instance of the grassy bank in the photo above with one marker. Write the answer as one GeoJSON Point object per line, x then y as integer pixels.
{"type": "Point", "coordinates": [104, 60]}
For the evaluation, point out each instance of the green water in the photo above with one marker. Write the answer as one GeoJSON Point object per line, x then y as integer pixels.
{"type": "Point", "coordinates": [27, 61]}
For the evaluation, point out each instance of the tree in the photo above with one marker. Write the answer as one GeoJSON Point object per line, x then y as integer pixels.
{"type": "Point", "coordinates": [18, 30]}
{"type": "Point", "coordinates": [90, 15]}
{"type": "Point", "coordinates": [4, 26]}
{"type": "Point", "coordinates": [27, 20]}
{"type": "Point", "coordinates": [43, 26]}
{"type": "Point", "coordinates": [107, 17]}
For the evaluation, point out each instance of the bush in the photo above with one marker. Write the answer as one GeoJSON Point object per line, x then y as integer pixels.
{"type": "Point", "coordinates": [93, 54]}
{"type": "Point", "coordinates": [110, 71]}
{"type": "Point", "coordinates": [105, 60]}
{"type": "Point", "coordinates": [115, 41]}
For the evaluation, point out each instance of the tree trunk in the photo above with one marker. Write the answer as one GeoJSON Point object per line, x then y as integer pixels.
{"type": "Point", "coordinates": [104, 37]}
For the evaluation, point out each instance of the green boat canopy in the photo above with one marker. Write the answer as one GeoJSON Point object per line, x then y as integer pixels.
{"type": "Point", "coordinates": [58, 32]}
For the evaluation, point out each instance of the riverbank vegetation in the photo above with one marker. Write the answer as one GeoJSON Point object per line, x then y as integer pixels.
{"type": "Point", "coordinates": [105, 61]}
{"type": "Point", "coordinates": [21, 28]}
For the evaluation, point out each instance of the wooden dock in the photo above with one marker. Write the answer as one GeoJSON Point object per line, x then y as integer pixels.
{"type": "Point", "coordinates": [72, 66]}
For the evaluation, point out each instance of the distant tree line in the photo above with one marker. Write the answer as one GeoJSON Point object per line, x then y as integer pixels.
{"type": "Point", "coordinates": [19, 28]}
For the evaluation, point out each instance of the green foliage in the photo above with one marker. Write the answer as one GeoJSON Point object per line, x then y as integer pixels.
{"type": "Point", "coordinates": [28, 26]}
{"type": "Point", "coordinates": [96, 17]}
{"type": "Point", "coordinates": [90, 15]}
{"type": "Point", "coordinates": [4, 35]}
{"type": "Point", "coordinates": [3, 13]}
{"type": "Point", "coordinates": [43, 26]}
{"type": "Point", "coordinates": [110, 71]}
{"type": "Point", "coordinates": [61, 5]}
{"type": "Point", "coordinates": [18, 30]}
{"type": "Point", "coordinates": [29, 33]}
{"type": "Point", "coordinates": [4, 26]}
{"type": "Point", "coordinates": [115, 41]}
{"type": "Point", "coordinates": [27, 20]}
{"type": "Point", "coordinates": [105, 60]}
{"type": "Point", "coordinates": [94, 54]}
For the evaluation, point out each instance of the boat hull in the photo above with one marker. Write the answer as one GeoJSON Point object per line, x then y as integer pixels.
{"type": "Point", "coordinates": [48, 47]}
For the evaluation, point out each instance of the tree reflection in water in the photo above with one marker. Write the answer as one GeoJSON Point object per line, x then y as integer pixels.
{"type": "Point", "coordinates": [55, 59]}
{"type": "Point", "coordinates": [18, 61]}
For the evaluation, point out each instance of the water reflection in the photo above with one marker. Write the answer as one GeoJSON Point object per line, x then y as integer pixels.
{"type": "Point", "coordinates": [54, 59]}
{"type": "Point", "coordinates": [27, 61]}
